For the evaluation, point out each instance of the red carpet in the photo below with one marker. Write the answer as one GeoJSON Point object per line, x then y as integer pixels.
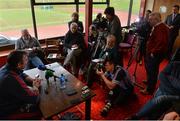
{"type": "Point", "coordinates": [125, 110]}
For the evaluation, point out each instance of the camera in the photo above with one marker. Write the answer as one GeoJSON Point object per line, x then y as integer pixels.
{"type": "Point", "coordinates": [99, 66]}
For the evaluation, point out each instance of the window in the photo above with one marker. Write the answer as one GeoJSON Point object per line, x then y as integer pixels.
{"type": "Point", "coordinates": [135, 10]}
{"type": "Point", "coordinates": [53, 21]}
{"type": "Point", "coordinates": [14, 16]}
{"type": "Point", "coordinates": [121, 10]}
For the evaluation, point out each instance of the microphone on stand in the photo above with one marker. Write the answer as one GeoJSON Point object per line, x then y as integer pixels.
{"type": "Point", "coordinates": [43, 68]}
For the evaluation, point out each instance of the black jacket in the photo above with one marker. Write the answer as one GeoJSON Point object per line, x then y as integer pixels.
{"type": "Point", "coordinates": [175, 23]}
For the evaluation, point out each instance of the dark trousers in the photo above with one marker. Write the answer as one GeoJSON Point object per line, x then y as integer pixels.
{"type": "Point", "coordinates": [91, 74]}
{"type": "Point", "coordinates": [118, 95]}
{"type": "Point", "coordinates": [171, 41]}
{"type": "Point", "coordinates": [152, 70]}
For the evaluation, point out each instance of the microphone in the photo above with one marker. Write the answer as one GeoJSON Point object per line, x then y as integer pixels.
{"type": "Point", "coordinates": [49, 74]}
{"type": "Point", "coordinates": [43, 68]}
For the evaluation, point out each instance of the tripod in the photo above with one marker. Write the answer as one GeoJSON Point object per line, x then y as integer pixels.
{"type": "Point", "coordinates": [134, 56]}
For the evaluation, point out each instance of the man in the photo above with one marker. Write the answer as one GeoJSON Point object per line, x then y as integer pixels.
{"type": "Point", "coordinates": [143, 30]}
{"type": "Point", "coordinates": [74, 44]}
{"type": "Point", "coordinates": [156, 50]}
{"type": "Point", "coordinates": [114, 24]}
{"type": "Point", "coordinates": [75, 18]}
{"type": "Point", "coordinates": [15, 95]}
{"type": "Point", "coordinates": [108, 52]}
{"type": "Point", "coordinates": [118, 82]}
{"type": "Point", "coordinates": [167, 93]}
{"type": "Point", "coordinates": [173, 22]}
{"type": "Point", "coordinates": [32, 46]}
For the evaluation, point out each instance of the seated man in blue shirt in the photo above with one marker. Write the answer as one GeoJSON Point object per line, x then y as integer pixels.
{"type": "Point", "coordinates": [118, 81]}
{"type": "Point", "coordinates": [16, 97]}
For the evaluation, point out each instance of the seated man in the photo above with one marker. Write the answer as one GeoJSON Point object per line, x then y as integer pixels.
{"type": "Point", "coordinates": [15, 95]}
{"type": "Point", "coordinates": [108, 51]}
{"type": "Point", "coordinates": [32, 46]}
{"type": "Point", "coordinates": [74, 44]}
{"type": "Point", "coordinates": [167, 93]}
{"type": "Point", "coordinates": [118, 82]}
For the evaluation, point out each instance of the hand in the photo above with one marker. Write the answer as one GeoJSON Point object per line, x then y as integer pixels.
{"type": "Point", "coordinates": [34, 48]}
{"type": "Point", "coordinates": [171, 27]}
{"type": "Point", "coordinates": [100, 72]}
{"type": "Point", "coordinates": [35, 90]}
{"type": "Point", "coordinates": [171, 116]}
{"type": "Point", "coordinates": [37, 83]}
{"type": "Point", "coordinates": [75, 45]}
{"type": "Point", "coordinates": [152, 55]}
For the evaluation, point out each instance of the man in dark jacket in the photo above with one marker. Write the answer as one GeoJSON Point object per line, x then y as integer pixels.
{"type": "Point", "coordinates": [74, 44]}
{"type": "Point", "coordinates": [155, 51]}
{"type": "Point", "coordinates": [15, 95]}
{"type": "Point", "coordinates": [173, 22]}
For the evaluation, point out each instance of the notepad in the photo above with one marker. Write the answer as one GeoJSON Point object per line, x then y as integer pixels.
{"type": "Point", "coordinates": [52, 55]}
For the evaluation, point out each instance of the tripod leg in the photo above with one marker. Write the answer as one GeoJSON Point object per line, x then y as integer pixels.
{"type": "Point", "coordinates": [134, 75]}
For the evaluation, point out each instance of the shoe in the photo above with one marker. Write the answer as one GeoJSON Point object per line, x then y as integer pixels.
{"type": "Point", "coordinates": [105, 110]}
{"type": "Point", "coordinates": [145, 92]}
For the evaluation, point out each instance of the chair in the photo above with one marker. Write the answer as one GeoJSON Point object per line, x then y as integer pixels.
{"type": "Point", "coordinates": [53, 50]}
{"type": "Point", "coordinates": [128, 43]}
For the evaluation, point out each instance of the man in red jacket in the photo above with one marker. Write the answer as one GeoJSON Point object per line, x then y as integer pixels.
{"type": "Point", "coordinates": [156, 50]}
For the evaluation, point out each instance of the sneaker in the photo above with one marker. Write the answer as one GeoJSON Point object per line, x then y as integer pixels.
{"type": "Point", "coordinates": [106, 109]}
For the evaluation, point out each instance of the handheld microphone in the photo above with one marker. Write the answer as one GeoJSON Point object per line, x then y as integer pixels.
{"type": "Point", "coordinates": [43, 68]}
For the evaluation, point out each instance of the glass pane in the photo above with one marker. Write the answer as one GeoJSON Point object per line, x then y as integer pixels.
{"type": "Point", "coordinates": [53, 21]}
{"type": "Point", "coordinates": [135, 10]}
{"type": "Point", "coordinates": [121, 10]}
{"type": "Point", "coordinates": [14, 16]}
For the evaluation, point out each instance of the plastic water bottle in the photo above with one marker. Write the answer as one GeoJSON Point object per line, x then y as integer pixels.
{"type": "Point", "coordinates": [62, 80]}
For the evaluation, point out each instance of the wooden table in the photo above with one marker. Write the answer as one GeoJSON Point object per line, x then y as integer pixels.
{"type": "Point", "coordinates": [57, 101]}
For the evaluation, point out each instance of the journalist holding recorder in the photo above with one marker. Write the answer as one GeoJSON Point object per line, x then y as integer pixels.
{"type": "Point", "coordinates": [19, 93]}
{"type": "Point", "coordinates": [118, 82]}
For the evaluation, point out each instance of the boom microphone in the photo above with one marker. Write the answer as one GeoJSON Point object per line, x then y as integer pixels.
{"type": "Point", "coordinates": [43, 68]}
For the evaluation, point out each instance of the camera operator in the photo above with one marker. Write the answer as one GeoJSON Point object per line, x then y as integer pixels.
{"type": "Point", "coordinates": [108, 51]}
{"type": "Point", "coordinates": [114, 24]}
{"type": "Point", "coordinates": [101, 39]}
{"type": "Point", "coordinates": [118, 82]}
{"type": "Point", "coordinates": [143, 29]}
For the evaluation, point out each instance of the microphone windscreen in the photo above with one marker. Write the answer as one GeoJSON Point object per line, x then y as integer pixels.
{"type": "Point", "coordinates": [42, 67]}
{"type": "Point", "coordinates": [49, 73]}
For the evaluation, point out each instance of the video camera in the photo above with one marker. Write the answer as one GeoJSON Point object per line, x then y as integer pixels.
{"type": "Point", "coordinates": [99, 66]}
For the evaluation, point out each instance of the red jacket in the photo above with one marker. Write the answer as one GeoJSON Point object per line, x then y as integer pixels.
{"type": "Point", "coordinates": [158, 39]}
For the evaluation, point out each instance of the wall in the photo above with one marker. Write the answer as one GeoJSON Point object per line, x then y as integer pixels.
{"type": "Point", "coordinates": [149, 4]}
{"type": "Point", "coordinates": [155, 5]}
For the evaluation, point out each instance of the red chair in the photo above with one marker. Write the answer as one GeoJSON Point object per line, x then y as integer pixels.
{"type": "Point", "coordinates": [128, 44]}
